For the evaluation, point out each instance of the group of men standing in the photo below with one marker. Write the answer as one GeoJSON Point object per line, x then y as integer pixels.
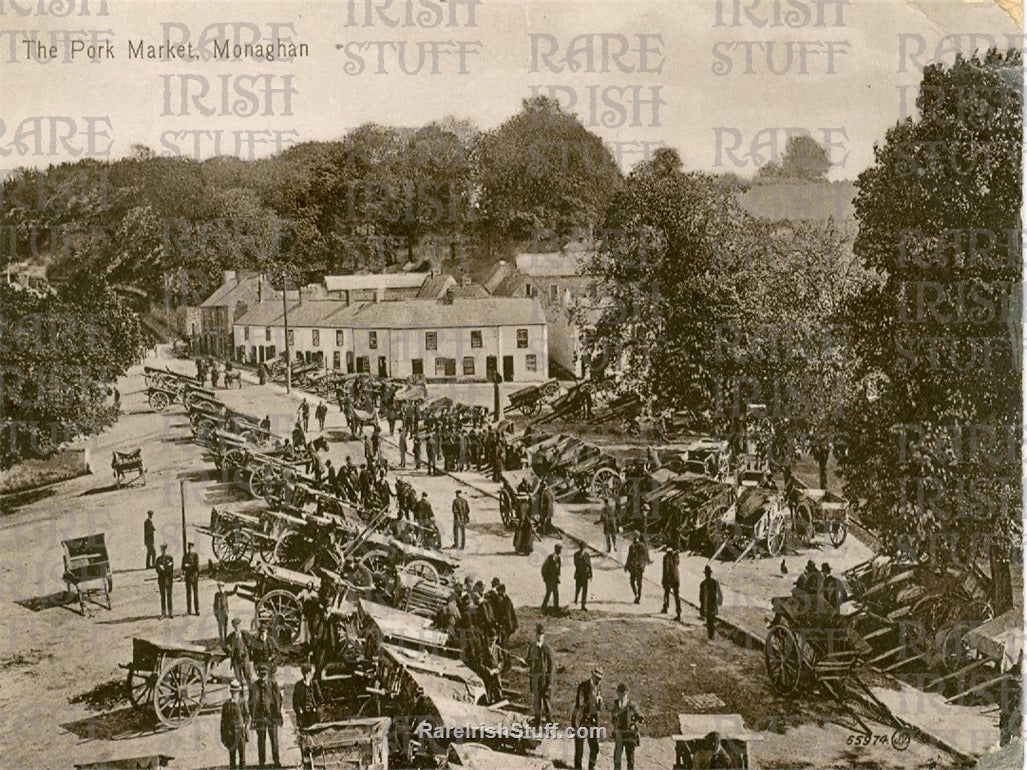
{"type": "Point", "coordinates": [164, 566]}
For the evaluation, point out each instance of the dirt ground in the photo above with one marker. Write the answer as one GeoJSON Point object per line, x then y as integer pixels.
{"type": "Point", "coordinates": [61, 688]}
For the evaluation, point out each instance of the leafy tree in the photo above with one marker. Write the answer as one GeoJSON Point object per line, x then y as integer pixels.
{"type": "Point", "coordinates": [542, 171]}
{"type": "Point", "coordinates": [60, 354]}
{"type": "Point", "coordinates": [804, 158]}
{"type": "Point", "coordinates": [934, 445]}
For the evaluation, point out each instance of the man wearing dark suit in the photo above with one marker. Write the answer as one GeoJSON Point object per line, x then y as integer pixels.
{"type": "Point", "coordinates": [165, 567]}
{"type": "Point", "coordinates": [235, 721]}
{"type": "Point", "coordinates": [671, 581]}
{"type": "Point", "coordinates": [191, 576]}
{"type": "Point", "coordinates": [625, 729]}
{"type": "Point", "coordinates": [710, 599]}
{"type": "Point", "coordinates": [551, 578]}
{"type": "Point", "coordinates": [149, 533]}
{"type": "Point", "coordinates": [221, 613]}
{"type": "Point", "coordinates": [237, 645]}
{"type": "Point", "coordinates": [582, 574]}
{"type": "Point", "coordinates": [306, 698]}
{"type": "Point", "coordinates": [540, 676]}
{"type": "Point", "coordinates": [266, 707]}
{"type": "Point", "coordinates": [588, 704]}
{"type": "Point", "coordinates": [461, 515]}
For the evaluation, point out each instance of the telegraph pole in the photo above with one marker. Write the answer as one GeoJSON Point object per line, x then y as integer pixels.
{"type": "Point", "coordinates": [288, 353]}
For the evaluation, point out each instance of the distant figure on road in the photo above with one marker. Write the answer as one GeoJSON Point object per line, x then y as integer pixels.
{"type": "Point", "coordinates": [235, 723]}
{"type": "Point", "coordinates": [320, 414]}
{"type": "Point", "coordinates": [417, 451]}
{"type": "Point", "coordinates": [710, 599]}
{"type": "Point", "coordinates": [610, 525]}
{"type": "Point", "coordinates": [461, 515]}
{"type": "Point", "coordinates": [582, 574]}
{"type": "Point", "coordinates": [551, 578]}
{"type": "Point", "coordinates": [402, 448]}
{"type": "Point", "coordinates": [429, 449]}
{"type": "Point", "coordinates": [304, 412]}
{"type": "Point", "coordinates": [221, 613]}
{"type": "Point", "coordinates": [671, 581]}
{"type": "Point", "coordinates": [165, 567]}
{"type": "Point", "coordinates": [635, 566]}
{"type": "Point", "coordinates": [149, 532]}
{"type": "Point", "coordinates": [191, 577]}
{"type": "Point", "coordinates": [540, 676]}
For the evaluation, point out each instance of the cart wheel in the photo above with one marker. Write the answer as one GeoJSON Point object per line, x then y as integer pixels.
{"type": "Point", "coordinates": [606, 483]}
{"type": "Point", "coordinates": [506, 507]}
{"type": "Point", "coordinates": [140, 688]}
{"type": "Point", "coordinates": [282, 611]}
{"type": "Point", "coordinates": [206, 428]}
{"type": "Point", "coordinates": [900, 739]}
{"type": "Point", "coordinates": [775, 537]}
{"type": "Point", "coordinates": [258, 484]}
{"type": "Point", "coordinates": [288, 547]}
{"type": "Point", "coordinates": [839, 531]}
{"type": "Point", "coordinates": [423, 570]}
{"type": "Point", "coordinates": [379, 564]}
{"type": "Point", "coordinates": [550, 389]}
{"type": "Point", "coordinates": [803, 523]}
{"type": "Point", "coordinates": [159, 401]}
{"type": "Point", "coordinates": [783, 657]}
{"type": "Point", "coordinates": [234, 547]}
{"type": "Point", "coordinates": [179, 692]}
{"type": "Point", "coordinates": [531, 408]}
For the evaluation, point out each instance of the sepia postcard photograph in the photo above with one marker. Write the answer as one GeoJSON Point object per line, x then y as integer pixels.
{"type": "Point", "coordinates": [511, 384]}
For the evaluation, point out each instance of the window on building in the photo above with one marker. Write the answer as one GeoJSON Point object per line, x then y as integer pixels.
{"type": "Point", "coordinates": [417, 366]}
{"type": "Point", "coordinates": [451, 367]}
{"type": "Point", "coordinates": [315, 338]}
{"type": "Point", "coordinates": [440, 367]}
{"type": "Point", "coordinates": [267, 334]}
{"type": "Point", "coordinates": [531, 362]}
{"type": "Point", "coordinates": [270, 353]}
{"type": "Point", "coordinates": [338, 338]}
{"type": "Point", "coordinates": [554, 292]}
{"type": "Point", "coordinates": [431, 340]}
{"type": "Point", "coordinates": [468, 364]}
{"type": "Point", "coordinates": [363, 364]}
{"type": "Point", "coordinates": [246, 332]}
{"type": "Point", "coordinates": [337, 359]}
{"type": "Point", "coordinates": [527, 290]}
{"type": "Point", "coordinates": [372, 340]}
{"type": "Point", "coordinates": [476, 338]}
{"type": "Point", "coordinates": [292, 336]}
{"type": "Point", "coordinates": [522, 338]}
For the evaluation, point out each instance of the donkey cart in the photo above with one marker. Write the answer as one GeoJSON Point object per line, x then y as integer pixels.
{"type": "Point", "coordinates": [170, 678]}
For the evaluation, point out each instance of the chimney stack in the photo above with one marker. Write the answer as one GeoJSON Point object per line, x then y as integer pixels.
{"type": "Point", "coordinates": [228, 276]}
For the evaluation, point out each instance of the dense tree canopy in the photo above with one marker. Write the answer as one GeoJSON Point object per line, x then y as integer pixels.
{"type": "Point", "coordinates": [803, 159]}
{"type": "Point", "coordinates": [60, 354]}
{"type": "Point", "coordinates": [934, 437]}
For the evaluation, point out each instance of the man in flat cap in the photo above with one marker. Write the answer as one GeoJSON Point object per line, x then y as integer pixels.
{"type": "Point", "coordinates": [588, 705]}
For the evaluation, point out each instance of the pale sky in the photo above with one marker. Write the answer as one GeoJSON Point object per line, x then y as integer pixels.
{"type": "Point", "coordinates": [850, 107]}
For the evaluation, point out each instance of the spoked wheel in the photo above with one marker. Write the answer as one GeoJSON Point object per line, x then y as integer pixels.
{"type": "Point", "coordinates": [783, 656]}
{"type": "Point", "coordinates": [178, 695]}
{"type": "Point", "coordinates": [775, 536]}
{"type": "Point", "coordinates": [140, 688]}
{"type": "Point", "coordinates": [206, 428]}
{"type": "Point", "coordinates": [803, 522]}
{"type": "Point", "coordinates": [288, 548]}
{"type": "Point", "coordinates": [379, 564]}
{"type": "Point", "coordinates": [159, 400]}
{"type": "Point", "coordinates": [259, 483]}
{"type": "Point", "coordinates": [839, 531]}
{"type": "Point", "coordinates": [282, 611]}
{"type": "Point", "coordinates": [531, 408]}
{"type": "Point", "coordinates": [234, 547]}
{"type": "Point", "coordinates": [605, 484]}
{"type": "Point", "coordinates": [422, 570]}
{"type": "Point", "coordinates": [506, 507]}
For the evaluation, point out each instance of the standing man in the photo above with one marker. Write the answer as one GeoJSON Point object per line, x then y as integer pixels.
{"type": "Point", "coordinates": [306, 698]}
{"type": "Point", "coordinates": [191, 576]}
{"type": "Point", "coordinates": [310, 607]}
{"type": "Point", "coordinates": [235, 721]}
{"type": "Point", "coordinates": [321, 413]}
{"type": "Point", "coordinates": [305, 415]}
{"type": "Point", "coordinates": [551, 578]}
{"type": "Point", "coordinates": [540, 675]}
{"type": "Point", "coordinates": [417, 451]}
{"type": "Point", "coordinates": [423, 513]}
{"type": "Point", "coordinates": [221, 613]}
{"type": "Point", "coordinates": [149, 532]}
{"type": "Point", "coordinates": [461, 515]}
{"type": "Point", "coordinates": [506, 622]}
{"type": "Point", "coordinates": [582, 573]}
{"type": "Point", "coordinates": [165, 567]}
{"type": "Point", "coordinates": [238, 649]}
{"type": "Point", "coordinates": [264, 650]}
{"type": "Point", "coordinates": [402, 448]}
{"type": "Point", "coordinates": [610, 525]}
{"type": "Point", "coordinates": [635, 566]}
{"type": "Point", "coordinates": [710, 599]}
{"type": "Point", "coordinates": [461, 464]}
{"type": "Point", "coordinates": [266, 708]}
{"type": "Point", "coordinates": [588, 705]}
{"type": "Point", "coordinates": [429, 449]}
{"type": "Point", "coordinates": [671, 581]}
{"type": "Point", "coordinates": [546, 503]}
{"type": "Point", "coordinates": [625, 728]}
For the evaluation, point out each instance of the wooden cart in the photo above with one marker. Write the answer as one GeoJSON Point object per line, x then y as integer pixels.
{"type": "Point", "coordinates": [125, 463]}
{"type": "Point", "coordinates": [86, 561]}
{"type": "Point", "coordinates": [170, 678]}
{"type": "Point", "coordinates": [529, 400]}
{"type": "Point", "coordinates": [346, 745]}
{"type": "Point", "coordinates": [818, 511]}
